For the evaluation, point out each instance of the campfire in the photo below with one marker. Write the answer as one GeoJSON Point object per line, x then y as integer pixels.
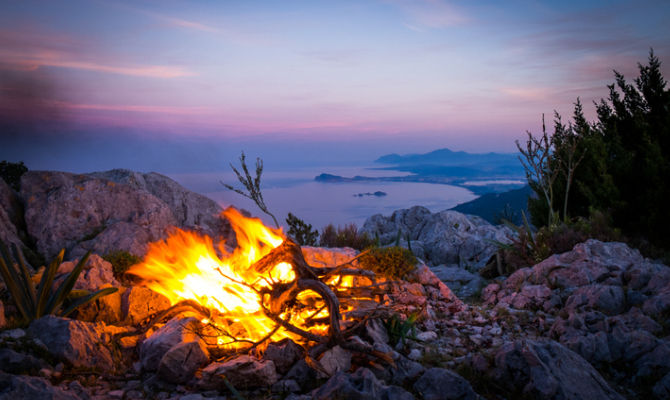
{"type": "Point", "coordinates": [262, 291]}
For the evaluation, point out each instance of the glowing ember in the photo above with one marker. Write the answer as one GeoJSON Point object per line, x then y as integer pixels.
{"type": "Point", "coordinates": [186, 266]}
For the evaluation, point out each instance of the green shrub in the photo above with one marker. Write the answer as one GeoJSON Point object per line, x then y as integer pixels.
{"type": "Point", "coordinates": [393, 262]}
{"type": "Point", "coordinates": [301, 231]}
{"type": "Point", "coordinates": [33, 301]}
{"type": "Point", "coordinates": [121, 260]}
{"type": "Point", "coordinates": [346, 236]}
{"type": "Point", "coordinates": [400, 328]}
{"type": "Point", "coordinates": [11, 173]}
{"type": "Point", "coordinates": [532, 246]}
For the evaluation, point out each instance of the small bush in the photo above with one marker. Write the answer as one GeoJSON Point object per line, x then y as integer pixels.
{"type": "Point", "coordinates": [11, 173]}
{"type": "Point", "coordinates": [121, 260]}
{"type": "Point", "coordinates": [530, 247]}
{"type": "Point", "coordinates": [301, 231]}
{"type": "Point", "coordinates": [393, 262]}
{"type": "Point", "coordinates": [346, 236]}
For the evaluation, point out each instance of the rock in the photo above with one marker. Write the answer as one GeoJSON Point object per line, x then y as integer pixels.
{"type": "Point", "coordinates": [406, 371]}
{"type": "Point", "coordinates": [181, 361]}
{"type": "Point", "coordinates": [190, 210]}
{"type": "Point", "coordinates": [13, 387]}
{"type": "Point", "coordinates": [77, 342]}
{"type": "Point", "coordinates": [284, 354]}
{"type": "Point", "coordinates": [11, 216]}
{"type": "Point", "coordinates": [19, 363]}
{"type": "Point", "coordinates": [80, 212]}
{"type": "Point", "coordinates": [446, 237]}
{"type": "Point", "coordinates": [138, 303]}
{"type": "Point", "coordinates": [415, 354]}
{"type": "Point", "coordinates": [376, 331]}
{"type": "Point", "coordinates": [327, 257]}
{"type": "Point", "coordinates": [303, 374]}
{"type": "Point", "coordinates": [427, 336]}
{"type": "Point", "coordinates": [662, 388]}
{"type": "Point", "coordinates": [243, 372]}
{"type": "Point", "coordinates": [105, 309]}
{"type": "Point", "coordinates": [463, 283]}
{"type": "Point", "coordinates": [96, 273]}
{"type": "Point", "coordinates": [544, 369]}
{"type": "Point", "coordinates": [175, 332]}
{"type": "Point", "coordinates": [335, 360]}
{"type": "Point", "coordinates": [361, 385]}
{"type": "Point", "coordinates": [609, 299]}
{"type": "Point", "coordinates": [442, 384]}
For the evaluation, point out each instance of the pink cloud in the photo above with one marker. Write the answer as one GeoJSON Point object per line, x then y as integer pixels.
{"type": "Point", "coordinates": [30, 50]}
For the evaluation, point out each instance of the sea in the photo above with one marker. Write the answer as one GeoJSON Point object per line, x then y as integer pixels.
{"type": "Point", "coordinates": [318, 203]}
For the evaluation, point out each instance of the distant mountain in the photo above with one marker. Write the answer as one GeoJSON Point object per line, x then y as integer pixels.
{"type": "Point", "coordinates": [494, 206]}
{"type": "Point", "coordinates": [447, 157]}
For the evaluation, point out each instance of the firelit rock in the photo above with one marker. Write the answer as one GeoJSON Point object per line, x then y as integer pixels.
{"type": "Point", "coordinates": [181, 361]}
{"type": "Point", "coordinates": [544, 369]}
{"type": "Point", "coordinates": [335, 360]}
{"type": "Point", "coordinates": [96, 273]}
{"type": "Point", "coordinates": [243, 372]}
{"type": "Point", "coordinates": [284, 354]}
{"type": "Point", "coordinates": [442, 384]}
{"type": "Point", "coordinates": [446, 237]}
{"type": "Point", "coordinates": [14, 387]}
{"type": "Point", "coordinates": [138, 303]}
{"type": "Point", "coordinates": [77, 342]}
{"type": "Point", "coordinates": [175, 332]}
{"type": "Point", "coordinates": [327, 257]}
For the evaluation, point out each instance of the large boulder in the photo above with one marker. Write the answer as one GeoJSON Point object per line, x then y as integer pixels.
{"type": "Point", "coordinates": [191, 210]}
{"type": "Point", "coordinates": [80, 343]}
{"type": "Point", "coordinates": [113, 210]}
{"type": "Point", "coordinates": [446, 237]}
{"type": "Point", "coordinates": [545, 369]}
{"type": "Point", "coordinates": [80, 212]}
{"type": "Point", "coordinates": [10, 215]}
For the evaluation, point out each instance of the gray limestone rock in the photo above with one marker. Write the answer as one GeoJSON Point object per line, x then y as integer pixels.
{"type": "Point", "coordinates": [442, 384]}
{"type": "Point", "coordinates": [544, 369]}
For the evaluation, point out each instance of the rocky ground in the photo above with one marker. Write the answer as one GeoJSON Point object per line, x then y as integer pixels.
{"type": "Point", "coordinates": [589, 323]}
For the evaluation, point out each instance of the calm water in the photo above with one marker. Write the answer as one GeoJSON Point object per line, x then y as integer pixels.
{"type": "Point", "coordinates": [319, 203]}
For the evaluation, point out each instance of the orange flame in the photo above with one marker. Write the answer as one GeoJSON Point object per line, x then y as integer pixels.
{"type": "Point", "coordinates": [186, 266]}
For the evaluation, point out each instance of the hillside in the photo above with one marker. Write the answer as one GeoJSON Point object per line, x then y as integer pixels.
{"type": "Point", "coordinates": [494, 206]}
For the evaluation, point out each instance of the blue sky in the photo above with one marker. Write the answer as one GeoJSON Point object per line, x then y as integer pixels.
{"type": "Point", "coordinates": [145, 82]}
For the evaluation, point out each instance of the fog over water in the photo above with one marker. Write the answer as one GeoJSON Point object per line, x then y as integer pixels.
{"type": "Point", "coordinates": [319, 203]}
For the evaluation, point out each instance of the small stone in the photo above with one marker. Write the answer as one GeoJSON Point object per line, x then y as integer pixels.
{"type": "Point", "coordinates": [243, 372]}
{"type": "Point", "coordinates": [335, 360]}
{"type": "Point", "coordinates": [116, 394]}
{"type": "Point", "coordinates": [181, 361]}
{"type": "Point", "coordinates": [428, 336]}
{"type": "Point", "coordinates": [415, 354]}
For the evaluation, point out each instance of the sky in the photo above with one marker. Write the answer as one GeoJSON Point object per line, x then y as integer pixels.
{"type": "Point", "coordinates": [184, 86]}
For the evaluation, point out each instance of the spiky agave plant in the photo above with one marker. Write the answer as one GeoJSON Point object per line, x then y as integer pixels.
{"type": "Point", "coordinates": [36, 301]}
